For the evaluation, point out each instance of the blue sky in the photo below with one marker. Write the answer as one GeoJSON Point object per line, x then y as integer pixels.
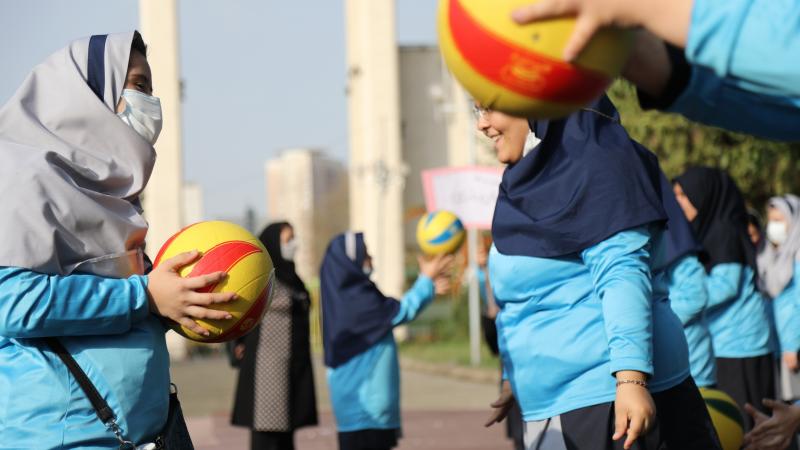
{"type": "Point", "coordinates": [260, 75]}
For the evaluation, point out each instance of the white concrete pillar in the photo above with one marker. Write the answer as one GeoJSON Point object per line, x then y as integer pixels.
{"type": "Point", "coordinates": [158, 23]}
{"type": "Point", "coordinates": [377, 172]}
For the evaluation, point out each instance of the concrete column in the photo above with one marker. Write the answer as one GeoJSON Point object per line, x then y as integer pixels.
{"type": "Point", "coordinates": [158, 23]}
{"type": "Point", "coordinates": [377, 172]}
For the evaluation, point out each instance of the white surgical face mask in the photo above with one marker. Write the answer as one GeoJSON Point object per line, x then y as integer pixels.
{"type": "Point", "coordinates": [142, 113]}
{"type": "Point", "coordinates": [288, 250]}
{"type": "Point", "coordinates": [776, 232]}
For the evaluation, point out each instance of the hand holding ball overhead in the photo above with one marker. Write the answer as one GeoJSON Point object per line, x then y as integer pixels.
{"type": "Point", "coordinates": [439, 235]}
{"type": "Point", "coordinates": [519, 70]}
{"type": "Point", "coordinates": [440, 232]}
{"type": "Point", "coordinates": [437, 268]}
{"type": "Point", "coordinates": [227, 281]}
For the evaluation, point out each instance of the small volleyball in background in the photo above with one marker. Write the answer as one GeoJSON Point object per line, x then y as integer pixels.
{"type": "Point", "coordinates": [726, 416]}
{"type": "Point", "coordinates": [440, 232]}
{"type": "Point", "coordinates": [229, 248]}
{"type": "Point", "coordinates": [520, 70]}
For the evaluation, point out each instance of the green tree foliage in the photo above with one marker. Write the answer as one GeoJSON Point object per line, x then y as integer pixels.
{"type": "Point", "coordinates": [761, 168]}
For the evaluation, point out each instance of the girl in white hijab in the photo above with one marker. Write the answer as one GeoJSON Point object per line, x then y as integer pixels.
{"type": "Point", "coordinates": [778, 265]}
{"type": "Point", "coordinates": [76, 149]}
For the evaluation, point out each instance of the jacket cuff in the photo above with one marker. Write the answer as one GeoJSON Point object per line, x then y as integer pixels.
{"type": "Point", "coordinates": [680, 75]}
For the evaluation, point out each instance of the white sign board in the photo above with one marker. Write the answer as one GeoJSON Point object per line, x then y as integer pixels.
{"type": "Point", "coordinates": [468, 192]}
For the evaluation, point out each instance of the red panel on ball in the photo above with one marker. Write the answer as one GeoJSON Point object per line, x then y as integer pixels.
{"type": "Point", "coordinates": [221, 258]}
{"type": "Point", "coordinates": [518, 69]}
{"type": "Point", "coordinates": [246, 323]}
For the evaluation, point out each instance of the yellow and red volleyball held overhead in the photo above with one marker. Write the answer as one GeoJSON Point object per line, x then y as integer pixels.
{"type": "Point", "coordinates": [520, 70]}
{"type": "Point", "coordinates": [229, 248]}
{"type": "Point", "coordinates": [440, 232]}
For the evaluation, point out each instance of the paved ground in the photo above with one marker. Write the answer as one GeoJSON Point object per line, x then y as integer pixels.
{"type": "Point", "coordinates": [439, 412]}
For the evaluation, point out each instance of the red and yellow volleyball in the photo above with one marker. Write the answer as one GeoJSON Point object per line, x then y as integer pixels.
{"type": "Point", "coordinates": [229, 248]}
{"type": "Point", "coordinates": [520, 70]}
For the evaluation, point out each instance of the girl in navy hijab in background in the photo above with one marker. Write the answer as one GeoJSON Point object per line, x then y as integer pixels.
{"type": "Point", "coordinates": [590, 347]}
{"type": "Point", "coordinates": [739, 316]}
{"type": "Point", "coordinates": [360, 351]}
{"type": "Point", "coordinates": [686, 278]}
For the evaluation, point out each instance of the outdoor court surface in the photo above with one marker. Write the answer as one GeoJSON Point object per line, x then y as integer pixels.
{"type": "Point", "coordinates": [439, 412]}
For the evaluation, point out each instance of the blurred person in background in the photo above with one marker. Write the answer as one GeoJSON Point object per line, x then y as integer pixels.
{"type": "Point", "coordinates": [777, 269]}
{"type": "Point", "coordinates": [489, 309]}
{"type": "Point", "coordinates": [360, 350]}
{"type": "Point", "coordinates": [739, 316]}
{"type": "Point", "coordinates": [275, 392]}
{"type": "Point", "coordinates": [686, 278]}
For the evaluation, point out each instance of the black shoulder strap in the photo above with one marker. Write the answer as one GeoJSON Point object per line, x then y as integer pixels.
{"type": "Point", "coordinates": [100, 406]}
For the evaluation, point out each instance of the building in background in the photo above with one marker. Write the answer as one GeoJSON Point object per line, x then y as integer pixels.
{"type": "Point", "coordinates": [425, 115]}
{"type": "Point", "coordinates": [309, 190]}
{"type": "Point", "coordinates": [437, 127]}
{"type": "Point", "coordinates": [406, 114]}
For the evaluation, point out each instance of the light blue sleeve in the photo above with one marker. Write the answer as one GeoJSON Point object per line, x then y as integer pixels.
{"type": "Point", "coordinates": [620, 269]}
{"type": "Point", "coordinates": [687, 289]}
{"type": "Point", "coordinates": [722, 284]}
{"type": "Point", "coordinates": [482, 285]}
{"type": "Point", "coordinates": [34, 305]}
{"type": "Point", "coordinates": [415, 300]}
{"type": "Point", "coordinates": [755, 44]}
{"type": "Point", "coordinates": [745, 56]}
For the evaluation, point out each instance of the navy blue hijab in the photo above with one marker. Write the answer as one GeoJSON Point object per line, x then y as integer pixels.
{"type": "Point", "coordinates": [584, 182]}
{"type": "Point", "coordinates": [678, 240]}
{"type": "Point", "coordinates": [355, 314]}
{"type": "Point", "coordinates": [721, 222]}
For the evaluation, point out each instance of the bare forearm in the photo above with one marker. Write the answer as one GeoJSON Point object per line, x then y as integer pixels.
{"type": "Point", "coordinates": [648, 67]}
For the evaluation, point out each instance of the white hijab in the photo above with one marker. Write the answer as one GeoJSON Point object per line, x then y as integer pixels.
{"type": "Point", "coordinates": [776, 264]}
{"type": "Point", "coordinates": [72, 171]}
